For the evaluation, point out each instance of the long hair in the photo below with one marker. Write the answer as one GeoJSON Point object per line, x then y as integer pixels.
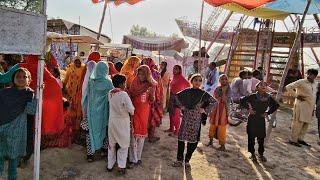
{"type": "Point", "coordinates": [164, 70]}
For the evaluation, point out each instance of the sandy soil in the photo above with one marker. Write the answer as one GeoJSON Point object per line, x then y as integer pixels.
{"type": "Point", "coordinates": [284, 161]}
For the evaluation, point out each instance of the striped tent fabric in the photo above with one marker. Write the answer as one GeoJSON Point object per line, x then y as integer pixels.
{"type": "Point", "coordinates": [267, 9]}
{"type": "Point", "coordinates": [155, 43]}
{"type": "Point", "coordinates": [117, 2]}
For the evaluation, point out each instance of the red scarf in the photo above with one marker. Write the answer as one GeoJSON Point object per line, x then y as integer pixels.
{"type": "Point", "coordinates": [137, 87]}
{"type": "Point", "coordinates": [178, 84]}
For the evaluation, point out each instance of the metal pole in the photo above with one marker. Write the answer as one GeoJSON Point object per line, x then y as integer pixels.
{"type": "Point", "coordinates": [315, 55]}
{"type": "Point", "coordinates": [102, 18]}
{"type": "Point", "coordinates": [293, 50]}
{"type": "Point", "coordinates": [220, 30]}
{"type": "Point", "coordinates": [38, 117]}
{"type": "Point", "coordinates": [218, 54]}
{"type": "Point", "coordinates": [200, 37]}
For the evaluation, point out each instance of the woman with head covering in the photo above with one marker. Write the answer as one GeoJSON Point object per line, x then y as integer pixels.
{"type": "Point", "coordinates": [142, 95]}
{"type": "Point", "coordinates": [165, 77]}
{"type": "Point", "coordinates": [112, 69]}
{"type": "Point", "coordinates": [118, 66]}
{"type": "Point", "coordinates": [129, 69]}
{"type": "Point", "coordinates": [96, 100]}
{"type": "Point", "coordinates": [73, 86]}
{"type": "Point", "coordinates": [219, 115]}
{"type": "Point", "coordinates": [94, 56]}
{"type": "Point", "coordinates": [156, 107]}
{"type": "Point", "coordinates": [54, 132]}
{"type": "Point", "coordinates": [90, 67]}
{"type": "Point", "coordinates": [178, 83]}
{"type": "Point", "coordinates": [16, 102]}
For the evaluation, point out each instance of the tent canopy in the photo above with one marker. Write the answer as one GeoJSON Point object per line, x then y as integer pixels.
{"type": "Point", "coordinates": [118, 2]}
{"type": "Point", "coordinates": [155, 43]}
{"type": "Point", "coordinates": [267, 9]}
{"type": "Point", "coordinates": [60, 38]}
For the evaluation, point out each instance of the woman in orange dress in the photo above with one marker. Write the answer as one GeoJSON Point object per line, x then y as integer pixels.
{"type": "Point", "coordinates": [165, 84]}
{"type": "Point", "coordinates": [219, 115]}
{"type": "Point", "coordinates": [73, 88]}
{"type": "Point", "coordinates": [141, 92]}
{"type": "Point", "coordinates": [129, 69]}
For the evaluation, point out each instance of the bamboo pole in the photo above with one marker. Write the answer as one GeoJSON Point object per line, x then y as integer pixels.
{"type": "Point", "coordinates": [102, 18]}
{"type": "Point", "coordinates": [220, 30]}
{"type": "Point", "coordinates": [293, 50]}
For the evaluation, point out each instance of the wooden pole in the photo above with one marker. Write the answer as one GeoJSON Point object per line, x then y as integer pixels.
{"type": "Point", "coordinates": [102, 18]}
{"type": "Point", "coordinates": [293, 50]}
{"type": "Point", "coordinates": [220, 30]}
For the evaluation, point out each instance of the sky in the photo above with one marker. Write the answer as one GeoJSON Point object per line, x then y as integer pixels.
{"type": "Point", "coordinates": [157, 15]}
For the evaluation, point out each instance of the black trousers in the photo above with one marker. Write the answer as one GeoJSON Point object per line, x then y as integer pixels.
{"type": "Point", "coordinates": [191, 147]}
{"type": "Point", "coordinates": [251, 143]}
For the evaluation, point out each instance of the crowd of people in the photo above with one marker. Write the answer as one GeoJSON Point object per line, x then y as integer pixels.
{"type": "Point", "coordinates": [114, 108]}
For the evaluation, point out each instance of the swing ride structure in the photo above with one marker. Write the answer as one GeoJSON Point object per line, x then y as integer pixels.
{"type": "Point", "coordinates": [265, 46]}
{"type": "Point", "coordinates": [260, 45]}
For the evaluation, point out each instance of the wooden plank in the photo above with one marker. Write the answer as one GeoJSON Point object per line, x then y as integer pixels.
{"type": "Point", "coordinates": [243, 54]}
{"type": "Point", "coordinates": [276, 56]}
{"type": "Point", "coordinates": [275, 62]}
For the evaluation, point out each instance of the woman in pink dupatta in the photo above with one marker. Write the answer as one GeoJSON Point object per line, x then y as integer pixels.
{"type": "Point", "coordinates": [156, 108]}
{"type": "Point", "coordinates": [178, 83]}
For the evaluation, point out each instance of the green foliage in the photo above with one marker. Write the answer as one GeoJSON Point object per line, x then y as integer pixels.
{"type": "Point", "coordinates": [142, 31]}
{"type": "Point", "coordinates": [26, 5]}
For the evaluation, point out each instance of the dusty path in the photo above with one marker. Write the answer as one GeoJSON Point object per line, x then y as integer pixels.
{"type": "Point", "coordinates": [284, 160]}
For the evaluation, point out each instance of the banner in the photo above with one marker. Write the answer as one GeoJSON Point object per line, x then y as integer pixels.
{"type": "Point", "coordinates": [21, 32]}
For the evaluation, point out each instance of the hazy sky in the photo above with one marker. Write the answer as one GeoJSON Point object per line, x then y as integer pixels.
{"type": "Point", "coordinates": [157, 15]}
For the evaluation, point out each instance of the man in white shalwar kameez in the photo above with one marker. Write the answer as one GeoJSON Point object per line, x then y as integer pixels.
{"type": "Point", "coordinates": [305, 93]}
{"type": "Point", "coordinates": [121, 108]}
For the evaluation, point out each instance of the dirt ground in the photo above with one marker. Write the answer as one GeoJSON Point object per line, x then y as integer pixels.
{"type": "Point", "coordinates": [284, 161]}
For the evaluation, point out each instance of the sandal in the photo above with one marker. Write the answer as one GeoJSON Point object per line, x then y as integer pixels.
{"type": "Point", "coordinates": [262, 158]}
{"type": "Point", "coordinates": [177, 164]}
{"type": "Point", "coordinates": [295, 144]}
{"type": "Point", "coordinates": [254, 159]}
{"type": "Point", "coordinates": [122, 171]}
{"type": "Point", "coordinates": [90, 158]}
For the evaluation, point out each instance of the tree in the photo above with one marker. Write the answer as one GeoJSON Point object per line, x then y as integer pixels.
{"type": "Point", "coordinates": [141, 31]}
{"type": "Point", "coordinates": [25, 5]}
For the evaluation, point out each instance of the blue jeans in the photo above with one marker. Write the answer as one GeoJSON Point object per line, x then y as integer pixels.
{"type": "Point", "coordinates": [12, 168]}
